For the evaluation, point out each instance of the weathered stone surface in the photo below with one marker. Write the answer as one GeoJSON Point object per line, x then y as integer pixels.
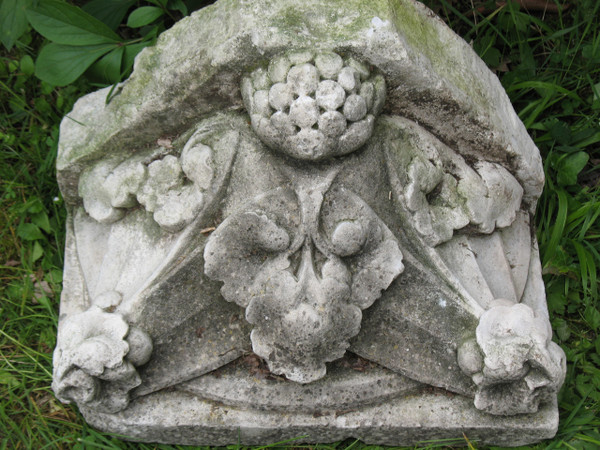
{"type": "Point", "coordinates": [414, 418]}
{"type": "Point", "coordinates": [305, 219]}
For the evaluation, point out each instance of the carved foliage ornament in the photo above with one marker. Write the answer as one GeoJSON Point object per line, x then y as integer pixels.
{"type": "Point", "coordinates": [304, 261]}
{"type": "Point", "coordinates": [305, 255]}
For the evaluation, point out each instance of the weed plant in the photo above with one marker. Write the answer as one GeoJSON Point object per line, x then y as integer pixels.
{"type": "Point", "coordinates": [549, 63]}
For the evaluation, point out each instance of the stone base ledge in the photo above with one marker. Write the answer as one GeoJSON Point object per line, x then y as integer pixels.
{"type": "Point", "coordinates": [171, 417]}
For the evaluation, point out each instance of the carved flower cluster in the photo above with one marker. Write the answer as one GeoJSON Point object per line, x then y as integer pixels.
{"type": "Point", "coordinates": [512, 361]}
{"type": "Point", "coordinates": [312, 106]}
{"type": "Point", "coordinates": [170, 187]}
{"type": "Point", "coordinates": [94, 364]}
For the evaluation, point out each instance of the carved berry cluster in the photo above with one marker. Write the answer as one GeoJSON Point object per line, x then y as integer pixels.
{"type": "Point", "coordinates": [313, 106]}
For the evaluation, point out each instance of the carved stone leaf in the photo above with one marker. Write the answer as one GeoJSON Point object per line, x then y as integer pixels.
{"type": "Point", "coordinates": [236, 251]}
{"type": "Point", "coordinates": [303, 282]}
{"type": "Point", "coordinates": [172, 184]}
{"type": "Point", "coordinates": [439, 191]}
{"type": "Point", "coordinates": [365, 242]}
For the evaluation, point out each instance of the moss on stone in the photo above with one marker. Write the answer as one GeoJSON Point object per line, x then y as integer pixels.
{"type": "Point", "coordinates": [422, 31]}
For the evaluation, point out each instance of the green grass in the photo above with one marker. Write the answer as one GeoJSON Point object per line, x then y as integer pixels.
{"type": "Point", "coordinates": [549, 64]}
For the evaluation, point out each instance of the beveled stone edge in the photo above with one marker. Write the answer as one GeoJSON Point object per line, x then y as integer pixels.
{"type": "Point", "coordinates": [177, 417]}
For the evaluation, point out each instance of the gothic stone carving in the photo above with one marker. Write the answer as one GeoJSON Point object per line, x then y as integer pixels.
{"type": "Point", "coordinates": [315, 207]}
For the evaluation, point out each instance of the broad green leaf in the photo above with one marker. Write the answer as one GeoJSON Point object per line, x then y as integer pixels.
{"type": "Point", "coordinates": [35, 206]}
{"type": "Point", "coordinates": [143, 16]}
{"type": "Point", "coordinates": [108, 68]}
{"type": "Point", "coordinates": [562, 329]}
{"type": "Point", "coordinates": [62, 64]}
{"type": "Point", "coordinates": [54, 276]}
{"type": "Point", "coordinates": [27, 65]}
{"type": "Point", "coordinates": [556, 302]}
{"type": "Point", "coordinates": [41, 220]}
{"type": "Point", "coordinates": [111, 12]}
{"type": "Point", "coordinates": [66, 24]}
{"type": "Point", "coordinates": [569, 168]}
{"type": "Point", "coordinates": [13, 21]}
{"type": "Point", "coordinates": [29, 232]}
{"type": "Point", "coordinates": [37, 252]}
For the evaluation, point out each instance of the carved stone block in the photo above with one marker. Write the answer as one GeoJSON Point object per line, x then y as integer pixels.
{"type": "Point", "coordinates": [305, 219]}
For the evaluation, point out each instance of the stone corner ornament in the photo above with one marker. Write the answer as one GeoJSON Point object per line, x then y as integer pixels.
{"type": "Point", "coordinates": [305, 219]}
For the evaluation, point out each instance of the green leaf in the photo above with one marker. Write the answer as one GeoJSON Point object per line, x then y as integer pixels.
{"type": "Point", "coordinates": [144, 16]}
{"type": "Point", "coordinates": [108, 68]}
{"type": "Point", "coordinates": [66, 24]}
{"type": "Point", "coordinates": [62, 64]}
{"type": "Point", "coordinates": [54, 276]}
{"type": "Point", "coordinates": [41, 220]}
{"type": "Point", "coordinates": [13, 21]}
{"type": "Point", "coordinates": [596, 90]}
{"type": "Point", "coordinates": [37, 252]}
{"type": "Point", "coordinates": [151, 32]}
{"type": "Point", "coordinates": [562, 329]}
{"type": "Point", "coordinates": [561, 132]}
{"type": "Point", "coordinates": [592, 317]}
{"type": "Point", "coordinates": [27, 65]}
{"type": "Point", "coordinates": [557, 227]}
{"type": "Point", "coordinates": [569, 168]}
{"type": "Point", "coordinates": [35, 206]}
{"type": "Point", "coordinates": [110, 12]}
{"type": "Point", "coordinates": [178, 5]}
{"type": "Point", "coordinates": [556, 302]}
{"type": "Point", "coordinates": [29, 232]}
{"type": "Point", "coordinates": [161, 3]}
{"type": "Point", "coordinates": [7, 379]}
{"type": "Point", "coordinates": [492, 57]}
{"type": "Point", "coordinates": [591, 52]}
{"type": "Point", "coordinates": [543, 86]}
